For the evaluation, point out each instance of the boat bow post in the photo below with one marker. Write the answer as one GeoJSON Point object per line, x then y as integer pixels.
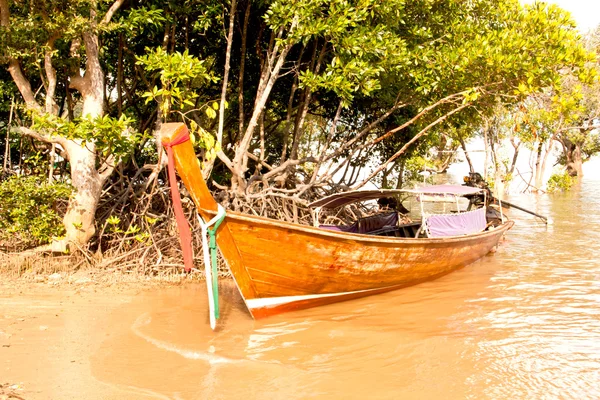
{"type": "Point", "coordinates": [175, 137]}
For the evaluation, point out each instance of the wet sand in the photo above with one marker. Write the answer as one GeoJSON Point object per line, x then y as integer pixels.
{"type": "Point", "coordinates": [47, 335]}
{"type": "Point", "coordinates": [100, 342]}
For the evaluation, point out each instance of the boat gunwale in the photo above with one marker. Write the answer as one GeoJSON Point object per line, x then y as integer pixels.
{"type": "Point", "coordinates": [309, 229]}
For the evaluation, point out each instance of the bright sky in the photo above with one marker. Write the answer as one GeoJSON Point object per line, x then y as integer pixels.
{"type": "Point", "coordinates": [585, 12]}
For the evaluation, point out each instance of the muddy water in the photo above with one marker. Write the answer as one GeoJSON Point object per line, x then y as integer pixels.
{"type": "Point", "coordinates": [523, 323]}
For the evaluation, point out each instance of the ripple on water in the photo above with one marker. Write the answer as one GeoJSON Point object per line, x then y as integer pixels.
{"type": "Point", "coordinates": [542, 326]}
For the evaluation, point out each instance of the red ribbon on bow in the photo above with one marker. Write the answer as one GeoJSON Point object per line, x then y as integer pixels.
{"type": "Point", "coordinates": [185, 234]}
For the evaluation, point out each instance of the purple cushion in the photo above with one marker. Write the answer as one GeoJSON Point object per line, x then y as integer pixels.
{"type": "Point", "coordinates": [456, 224]}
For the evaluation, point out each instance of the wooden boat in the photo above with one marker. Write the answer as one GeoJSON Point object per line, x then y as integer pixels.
{"type": "Point", "coordinates": [280, 266]}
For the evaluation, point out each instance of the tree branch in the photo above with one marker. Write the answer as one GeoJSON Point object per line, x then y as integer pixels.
{"type": "Point", "coordinates": [51, 106]}
{"type": "Point", "coordinates": [42, 137]}
{"type": "Point", "coordinates": [107, 168]}
{"type": "Point", "coordinates": [410, 142]}
{"type": "Point", "coordinates": [226, 72]}
{"type": "Point", "coordinates": [287, 164]}
{"type": "Point", "coordinates": [258, 160]}
{"type": "Point", "coordinates": [111, 11]}
{"type": "Point", "coordinates": [4, 14]}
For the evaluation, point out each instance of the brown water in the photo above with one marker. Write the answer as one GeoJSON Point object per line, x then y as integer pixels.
{"type": "Point", "coordinates": [523, 323]}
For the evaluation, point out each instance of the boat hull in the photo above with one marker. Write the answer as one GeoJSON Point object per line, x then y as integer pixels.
{"type": "Point", "coordinates": [280, 266]}
{"type": "Point", "coordinates": [284, 267]}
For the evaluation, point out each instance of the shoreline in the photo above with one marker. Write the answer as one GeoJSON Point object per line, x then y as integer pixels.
{"type": "Point", "coordinates": [19, 271]}
{"type": "Point", "coordinates": [54, 334]}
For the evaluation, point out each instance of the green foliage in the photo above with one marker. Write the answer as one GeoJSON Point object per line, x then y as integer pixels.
{"type": "Point", "coordinates": [565, 112]}
{"type": "Point", "coordinates": [202, 139]}
{"type": "Point", "coordinates": [30, 210]}
{"type": "Point", "coordinates": [560, 182]}
{"type": "Point", "coordinates": [36, 162]}
{"type": "Point", "coordinates": [109, 135]}
{"type": "Point", "coordinates": [178, 73]}
{"type": "Point", "coordinates": [210, 14]}
{"type": "Point", "coordinates": [360, 35]}
{"type": "Point", "coordinates": [414, 168]}
{"type": "Point", "coordinates": [133, 232]}
{"type": "Point", "coordinates": [113, 223]}
{"type": "Point", "coordinates": [577, 102]}
{"type": "Point", "coordinates": [8, 91]}
{"type": "Point", "coordinates": [371, 55]}
{"type": "Point", "coordinates": [140, 19]}
{"type": "Point", "coordinates": [378, 53]}
{"type": "Point", "coordinates": [36, 27]}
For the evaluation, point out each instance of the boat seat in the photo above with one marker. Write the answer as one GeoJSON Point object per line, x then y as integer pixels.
{"type": "Point", "coordinates": [408, 230]}
{"type": "Point", "coordinates": [440, 225]}
{"type": "Point", "coordinates": [369, 224]}
{"type": "Point", "coordinates": [376, 222]}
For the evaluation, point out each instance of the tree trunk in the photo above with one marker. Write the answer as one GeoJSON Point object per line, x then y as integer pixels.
{"type": "Point", "coordinates": [487, 149]}
{"type": "Point", "coordinates": [7, 165]}
{"type": "Point", "coordinates": [226, 73]}
{"type": "Point", "coordinates": [539, 178]}
{"type": "Point", "coordinates": [241, 159]}
{"type": "Point", "coordinates": [400, 181]}
{"type": "Point", "coordinates": [545, 160]}
{"type": "Point", "coordinates": [86, 179]}
{"type": "Point", "coordinates": [210, 163]}
{"type": "Point", "coordinates": [79, 219]}
{"type": "Point", "coordinates": [242, 69]}
{"type": "Point", "coordinates": [574, 160]}
{"type": "Point", "coordinates": [93, 93]}
{"type": "Point", "coordinates": [513, 164]}
{"type": "Point", "coordinates": [467, 157]}
{"type": "Point", "coordinates": [498, 173]}
{"type": "Point", "coordinates": [120, 76]}
{"type": "Point", "coordinates": [384, 178]}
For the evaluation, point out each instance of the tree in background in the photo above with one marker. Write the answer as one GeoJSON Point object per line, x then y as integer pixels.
{"type": "Point", "coordinates": [52, 49]}
{"type": "Point", "coordinates": [579, 105]}
{"type": "Point", "coordinates": [564, 114]}
{"type": "Point", "coordinates": [304, 91]}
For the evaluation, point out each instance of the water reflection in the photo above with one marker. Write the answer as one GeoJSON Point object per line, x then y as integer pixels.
{"type": "Point", "coordinates": [521, 323]}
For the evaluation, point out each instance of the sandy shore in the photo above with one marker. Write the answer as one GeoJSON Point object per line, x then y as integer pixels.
{"type": "Point", "coordinates": [50, 327]}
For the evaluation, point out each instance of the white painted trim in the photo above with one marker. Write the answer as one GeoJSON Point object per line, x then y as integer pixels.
{"type": "Point", "coordinates": [276, 301]}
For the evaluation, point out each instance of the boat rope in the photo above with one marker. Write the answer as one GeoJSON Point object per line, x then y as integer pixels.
{"type": "Point", "coordinates": [185, 234]}
{"type": "Point", "coordinates": [209, 248]}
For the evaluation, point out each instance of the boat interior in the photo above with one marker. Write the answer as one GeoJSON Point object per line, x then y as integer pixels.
{"type": "Point", "coordinates": [388, 224]}
{"type": "Point", "coordinates": [447, 215]}
{"type": "Point", "coordinates": [382, 224]}
{"type": "Point", "coordinates": [439, 211]}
